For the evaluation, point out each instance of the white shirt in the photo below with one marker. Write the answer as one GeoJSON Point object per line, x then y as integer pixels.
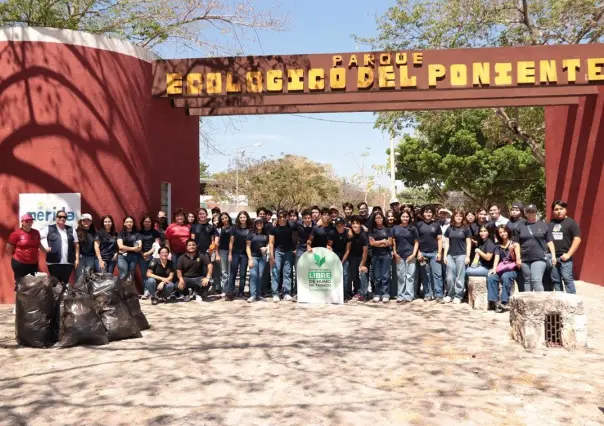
{"type": "Point", "coordinates": [501, 221]}
{"type": "Point", "coordinates": [64, 241]}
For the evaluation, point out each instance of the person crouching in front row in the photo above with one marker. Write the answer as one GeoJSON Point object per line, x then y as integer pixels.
{"type": "Point", "coordinates": [194, 271]}
{"type": "Point", "coordinates": [160, 277]}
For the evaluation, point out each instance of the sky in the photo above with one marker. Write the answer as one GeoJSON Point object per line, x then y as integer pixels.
{"type": "Point", "coordinates": [314, 26]}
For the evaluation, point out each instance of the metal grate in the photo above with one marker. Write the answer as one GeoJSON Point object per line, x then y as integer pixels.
{"type": "Point", "coordinates": [553, 328]}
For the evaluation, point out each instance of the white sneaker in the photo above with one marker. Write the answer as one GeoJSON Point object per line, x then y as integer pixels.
{"type": "Point", "coordinates": [376, 299]}
{"type": "Point", "coordinates": [251, 299]}
{"type": "Point", "coordinates": [276, 299]}
{"type": "Point", "coordinates": [386, 299]}
{"type": "Point", "coordinates": [146, 295]}
{"type": "Point", "coordinates": [198, 299]}
{"type": "Point", "coordinates": [456, 301]}
{"type": "Point", "coordinates": [223, 295]}
{"type": "Point", "coordinates": [447, 299]}
{"type": "Point", "coordinates": [288, 298]}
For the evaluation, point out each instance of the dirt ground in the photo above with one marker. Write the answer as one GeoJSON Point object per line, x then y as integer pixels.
{"type": "Point", "coordinates": [278, 364]}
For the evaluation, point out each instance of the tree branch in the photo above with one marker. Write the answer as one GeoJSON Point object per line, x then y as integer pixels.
{"type": "Point", "coordinates": [514, 127]}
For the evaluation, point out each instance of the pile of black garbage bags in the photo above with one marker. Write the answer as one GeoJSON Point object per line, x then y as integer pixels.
{"type": "Point", "coordinates": [99, 309]}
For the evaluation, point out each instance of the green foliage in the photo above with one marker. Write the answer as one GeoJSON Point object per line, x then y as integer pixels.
{"type": "Point", "coordinates": [451, 151]}
{"type": "Point", "coordinates": [204, 169]}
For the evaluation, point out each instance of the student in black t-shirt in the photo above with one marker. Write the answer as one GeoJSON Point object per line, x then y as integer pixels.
{"type": "Point", "coordinates": [256, 249]}
{"type": "Point", "coordinates": [535, 240]}
{"type": "Point", "coordinates": [86, 236]}
{"type": "Point", "coordinates": [457, 257]}
{"type": "Point", "coordinates": [380, 257]}
{"type": "Point", "coordinates": [203, 232]}
{"type": "Point", "coordinates": [339, 243]}
{"type": "Point", "coordinates": [304, 229]}
{"type": "Point", "coordinates": [357, 260]}
{"type": "Point", "coordinates": [281, 244]}
{"type": "Point", "coordinates": [222, 256]}
{"type": "Point", "coordinates": [318, 236]}
{"type": "Point", "coordinates": [507, 253]}
{"type": "Point", "coordinates": [150, 239]}
{"type": "Point", "coordinates": [105, 246]}
{"type": "Point", "coordinates": [516, 218]}
{"type": "Point", "coordinates": [404, 239]}
{"type": "Point", "coordinates": [348, 208]}
{"type": "Point", "coordinates": [159, 279]}
{"type": "Point", "coordinates": [237, 254]}
{"type": "Point", "coordinates": [194, 272]}
{"type": "Point", "coordinates": [567, 239]}
{"type": "Point", "coordinates": [130, 246]}
{"type": "Point", "coordinates": [430, 254]}
{"type": "Point", "coordinates": [484, 254]}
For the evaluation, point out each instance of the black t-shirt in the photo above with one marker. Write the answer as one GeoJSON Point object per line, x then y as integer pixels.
{"type": "Point", "coordinates": [128, 238]}
{"type": "Point", "coordinates": [428, 232]}
{"type": "Point", "coordinates": [148, 237]}
{"type": "Point", "coordinates": [158, 269]}
{"type": "Point", "coordinates": [487, 247]}
{"type": "Point", "coordinates": [379, 235]}
{"type": "Point", "coordinates": [192, 267]}
{"type": "Point", "coordinates": [457, 239]}
{"type": "Point", "coordinates": [503, 253]}
{"type": "Point", "coordinates": [319, 236]}
{"type": "Point", "coordinates": [240, 235]}
{"type": "Point", "coordinates": [563, 232]}
{"type": "Point", "coordinates": [405, 237]}
{"type": "Point", "coordinates": [513, 225]}
{"type": "Point", "coordinates": [533, 246]}
{"type": "Point", "coordinates": [303, 235]}
{"type": "Point", "coordinates": [204, 234]}
{"type": "Point", "coordinates": [474, 229]}
{"type": "Point", "coordinates": [224, 238]}
{"type": "Point", "coordinates": [268, 227]}
{"type": "Point", "coordinates": [257, 242]}
{"type": "Point", "coordinates": [284, 236]}
{"type": "Point", "coordinates": [357, 242]}
{"type": "Point", "coordinates": [107, 245]}
{"type": "Point", "coordinates": [87, 246]}
{"type": "Point", "coordinates": [339, 242]}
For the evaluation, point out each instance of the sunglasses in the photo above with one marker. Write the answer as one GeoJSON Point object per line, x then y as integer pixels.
{"type": "Point", "coordinates": [61, 217]}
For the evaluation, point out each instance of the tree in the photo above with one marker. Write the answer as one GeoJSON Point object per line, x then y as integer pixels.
{"type": "Point", "coordinates": [455, 151]}
{"type": "Point", "coordinates": [150, 23]}
{"type": "Point", "coordinates": [204, 169]}
{"type": "Point", "coordinates": [415, 24]}
{"type": "Point", "coordinates": [285, 183]}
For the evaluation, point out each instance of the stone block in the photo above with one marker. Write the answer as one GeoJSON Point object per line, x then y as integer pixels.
{"type": "Point", "coordinates": [477, 293]}
{"type": "Point", "coordinates": [528, 312]}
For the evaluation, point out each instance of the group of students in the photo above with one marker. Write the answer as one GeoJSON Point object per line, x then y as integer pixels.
{"type": "Point", "coordinates": [406, 248]}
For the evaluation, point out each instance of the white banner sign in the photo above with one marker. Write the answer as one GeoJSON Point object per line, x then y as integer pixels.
{"type": "Point", "coordinates": [44, 207]}
{"type": "Point", "coordinates": [320, 277]}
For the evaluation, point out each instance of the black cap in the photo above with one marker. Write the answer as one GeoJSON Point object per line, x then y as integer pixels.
{"type": "Point", "coordinates": [530, 208]}
{"type": "Point", "coordinates": [340, 221]}
{"type": "Point", "coordinates": [518, 205]}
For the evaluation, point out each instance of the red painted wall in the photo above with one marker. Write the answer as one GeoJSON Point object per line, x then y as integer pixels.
{"type": "Point", "coordinates": [78, 119]}
{"type": "Point", "coordinates": [574, 172]}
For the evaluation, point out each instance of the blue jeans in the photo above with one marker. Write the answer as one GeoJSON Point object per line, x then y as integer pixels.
{"type": "Point", "coordinates": [85, 262]}
{"type": "Point", "coordinates": [405, 273]}
{"type": "Point", "coordinates": [532, 273]}
{"type": "Point", "coordinates": [456, 276]}
{"type": "Point", "coordinates": [144, 265]}
{"type": "Point", "coordinates": [239, 262]}
{"type": "Point", "coordinates": [175, 257]}
{"type": "Point", "coordinates": [299, 253]}
{"type": "Point", "coordinates": [478, 271]}
{"type": "Point", "coordinates": [225, 269]}
{"type": "Point", "coordinates": [126, 265]}
{"type": "Point", "coordinates": [381, 266]}
{"type": "Point", "coordinates": [283, 264]}
{"type": "Point", "coordinates": [432, 277]}
{"type": "Point", "coordinates": [151, 287]}
{"type": "Point", "coordinates": [109, 266]}
{"type": "Point", "coordinates": [507, 282]}
{"type": "Point", "coordinates": [256, 277]}
{"type": "Point", "coordinates": [563, 271]}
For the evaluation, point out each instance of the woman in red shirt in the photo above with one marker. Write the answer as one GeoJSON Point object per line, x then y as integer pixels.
{"type": "Point", "coordinates": [23, 245]}
{"type": "Point", "coordinates": [177, 235]}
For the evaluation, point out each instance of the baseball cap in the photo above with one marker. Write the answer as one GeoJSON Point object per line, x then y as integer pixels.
{"type": "Point", "coordinates": [86, 216]}
{"type": "Point", "coordinates": [258, 220]}
{"type": "Point", "coordinates": [394, 201]}
{"type": "Point", "coordinates": [518, 205]}
{"type": "Point", "coordinates": [340, 221]}
{"type": "Point", "coordinates": [531, 208]}
{"type": "Point", "coordinates": [27, 216]}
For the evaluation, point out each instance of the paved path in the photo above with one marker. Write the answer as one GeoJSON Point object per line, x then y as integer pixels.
{"type": "Point", "coordinates": [280, 364]}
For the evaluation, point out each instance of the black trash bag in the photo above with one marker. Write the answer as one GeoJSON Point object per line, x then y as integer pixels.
{"type": "Point", "coordinates": [81, 323]}
{"type": "Point", "coordinates": [35, 311]}
{"type": "Point", "coordinates": [59, 293]}
{"type": "Point", "coordinates": [131, 296]}
{"type": "Point", "coordinates": [107, 292]}
{"type": "Point", "coordinates": [81, 283]}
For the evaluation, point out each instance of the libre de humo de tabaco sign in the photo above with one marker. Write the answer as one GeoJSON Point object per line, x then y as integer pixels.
{"type": "Point", "coordinates": [435, 69]}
